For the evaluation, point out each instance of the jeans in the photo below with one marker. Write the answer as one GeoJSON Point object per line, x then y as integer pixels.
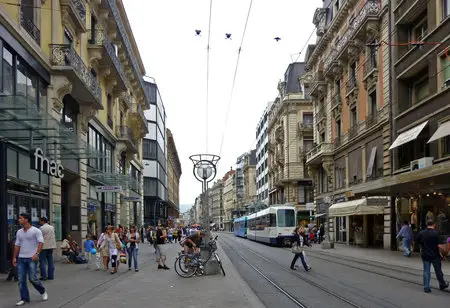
{"type": "Point", "coordinates": [26, 266]}
{"type": "Point", "coordinates": [133, 254]}
{"type": "Point", "coordinates": [406, 244]}
{"type": "Point", "coordinates": [302, 258]}
{"type": "Point", "coordinates": [46, 260]}
{"type": "Point", "coordinates": [427, 273]}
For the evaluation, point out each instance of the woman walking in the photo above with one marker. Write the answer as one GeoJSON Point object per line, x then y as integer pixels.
{"type": "Point", "coordinates": [133, 240]}
{"type": "Point", "coordinates": [301, 240]}
{"type": "Point", "coordinates": [114, 244]}
{"type": "Point", "coordinates": [103, 247]}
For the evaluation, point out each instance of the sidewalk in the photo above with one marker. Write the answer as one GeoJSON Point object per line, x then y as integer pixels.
{"type": "Point", "coordinates": [76, 286]}
{"type": "Point", "coordinates": [388, 257]}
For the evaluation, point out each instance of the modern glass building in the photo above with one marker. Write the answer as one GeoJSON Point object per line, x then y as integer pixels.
{"type": "Point", "coordinates": [154, 154]}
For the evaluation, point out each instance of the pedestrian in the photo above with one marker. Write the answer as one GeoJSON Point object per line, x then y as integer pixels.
{"type": "Point", "coordinates": [29, 243]}
{"type": "Point", "coordinates": [46, 255]}
{"type": "Point", "coordinates": [407, 237]}
{"type": "Point", "coordinates": [428, 240]}
{"type": "Point", "coordinates": [133, 240]}
{"type": "Point", "coordinates": [114, 244]}
{"type": "Point", "coordinates": [13, 270]}
{"type": "Point", "coordinates": [103, 248]}
{"type": "Point", "coordinates": [301, 240]}
{"type": "Point", "coordinates": [88, 247]}
{"type": "Point", "coordinates": [161, 254]}
{"type": "Point", "coordinates": [321, 233]}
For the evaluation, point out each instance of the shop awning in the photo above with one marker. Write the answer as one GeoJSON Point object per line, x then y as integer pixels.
{"type": "Point", "coordinates": [113, 179]}
{"type": "Point", "coordinates": [410, 135]}
{"type": "Point", "coordinates": [26, 124]}
{"type": "Point", "coordinates": [353, 208]}
{"type": "Point", "coordinates": [442, 131]}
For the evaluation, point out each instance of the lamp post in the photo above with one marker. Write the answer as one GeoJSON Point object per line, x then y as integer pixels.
{"type": "Point", "coordinates": [205, 171]}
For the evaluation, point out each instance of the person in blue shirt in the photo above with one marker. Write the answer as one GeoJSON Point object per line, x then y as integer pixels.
{"type": "Point", "coordinates": [407, 237]}
{"type": "Point", "coordinates": [88, 246]}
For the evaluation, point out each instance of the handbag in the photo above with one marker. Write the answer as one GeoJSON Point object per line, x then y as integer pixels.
{"type": "Point", "coordinates": [297, 249]}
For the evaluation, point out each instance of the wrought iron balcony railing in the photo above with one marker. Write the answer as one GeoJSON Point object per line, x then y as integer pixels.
{"type": "Point", "coordinates": [352, 84]}
{"type": "Point", "coordinates": [31, 28]}
{"type": "Point", "coordinates": [63, 55]}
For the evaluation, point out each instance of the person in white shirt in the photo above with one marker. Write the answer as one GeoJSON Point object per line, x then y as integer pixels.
{"type": "Point", "coordinates": [46, 255]}
{"type": "Point", "coordinates": [29, 242]}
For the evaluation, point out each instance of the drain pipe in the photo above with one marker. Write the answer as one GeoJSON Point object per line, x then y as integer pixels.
{"type": "Point", "coordinates": [391, 131]}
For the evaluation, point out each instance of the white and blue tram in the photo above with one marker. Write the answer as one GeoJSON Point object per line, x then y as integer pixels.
{"type": "Point", "coordinates": [274, 225]}
{"type": "Point", "coordinates": [240, 226]}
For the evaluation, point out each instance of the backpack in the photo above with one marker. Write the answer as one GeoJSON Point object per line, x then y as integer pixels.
{"type": "Point", "coordinates": [80, 259]}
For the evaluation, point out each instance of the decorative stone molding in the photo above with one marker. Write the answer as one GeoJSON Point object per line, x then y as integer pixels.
{"type": "Point", "coordinates": [337, 111]}
{"type": "Point", "coordinates": [87, 113]}
{"type": "Point", "coordinates": [371, 80]}
{"type": "Point", "coordinates": [322, 91]}
{"type": "Point", "coordinates": [354, 50]}
{"type": "Point", "coordinates": [352, 98]}
{"type": "Point", "coordinates": [372, 30]}
{"type": "Point", "coordinates": [312, 171]}
{"type": "Point", "coordinates": [120, 148]}
{"type": "Point", "coordinates": [60, 87]}
{"type": "Point", "coordinates": [281, 87]}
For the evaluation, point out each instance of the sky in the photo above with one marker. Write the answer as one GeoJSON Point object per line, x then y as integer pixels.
{"type": "Point", "coordinates": [172, 53]}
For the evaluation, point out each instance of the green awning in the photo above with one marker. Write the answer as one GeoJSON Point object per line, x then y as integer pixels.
{"type": "Point", "coordinates": [26, 124]}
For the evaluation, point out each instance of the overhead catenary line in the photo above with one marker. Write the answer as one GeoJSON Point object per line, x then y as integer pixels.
{"type": "Point", "coordinates": [234, 76]}
{"type": "Point", "coordinates": [207, 76]}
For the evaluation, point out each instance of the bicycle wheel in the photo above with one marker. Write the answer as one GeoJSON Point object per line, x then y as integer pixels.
{"type": "Point", "coordinates": [220, 263]}
{"type": "Point", "coordinates": [183, 267]}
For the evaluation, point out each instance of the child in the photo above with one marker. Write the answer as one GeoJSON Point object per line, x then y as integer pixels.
{"type": "Point", "coordinates": [88, 246]}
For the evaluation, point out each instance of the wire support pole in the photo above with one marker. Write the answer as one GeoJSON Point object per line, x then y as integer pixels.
{"type": "Point", "coordinates": [207, 78]}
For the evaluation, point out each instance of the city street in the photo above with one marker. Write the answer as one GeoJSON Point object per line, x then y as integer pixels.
{"type": "Point", "coordinates": [334, 281]}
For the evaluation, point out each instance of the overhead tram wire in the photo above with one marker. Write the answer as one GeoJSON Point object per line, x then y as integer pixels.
{"type": "Point", "coordinates": [234, 77]}
{"type": "Point", "coordinates": [207, 77]}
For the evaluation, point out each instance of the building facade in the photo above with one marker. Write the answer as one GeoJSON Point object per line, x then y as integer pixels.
{"type": "Point", "coordinates": [229, 199]}
{"type": "Point", "coordinates": [250, 178]}
{"type": "Point", "coordinates": [72, 96]}
{"type": "Point", "coordinates": [348, 79]}
{"type": "Point", "coordinates": [290, 137]}
{"type": "Point", "coordinates": [262, 156]}
{"type": "Point", "coordinates": [154, 152]}
{"type": "Point", "coordinates": [173, 176]}
{"type": "Point", "coordinates": [215, 199]}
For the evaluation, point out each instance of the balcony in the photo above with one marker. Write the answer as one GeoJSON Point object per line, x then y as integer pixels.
{"type": "Point", "coordinates": [126, 99]}
{"type": "Point", "coordinates": [357, 31]}
{"type": "Point", "coordinates": [353, 131]}
{"type": "Point", "coordinates": [31, 28]}
{"type": "Point", "coordinates": [305, 129]}
{"type": "Point", "coordinates": [279, 134]}
{"type": "Point", "coordinates": [102, 49]}
{"type": "Point", "coordinates": [85, 87]}
{"type": "Point", "coordinates": [75, 10]}
{"type": "Point", "coordinates": [352, 85]}
{"type": "Point", "coordinates": [124, 135]}
{"type": "Point", "coordinates": [318, 85]}
{"type": "Point", "coordinates": [321, 115]}
{"type": "Point", "coordinates": [316, 155]}
{"type": "Point", "coordinates": [408, 10]}
{"type": "Point", "coordinates": [122, 33]}
{"type": "Point", "coordinates": [138, 114]}
{"type": "Point", "coordinates": [370, 72]}
{"type": "Point", "coordinates": [336, 101]}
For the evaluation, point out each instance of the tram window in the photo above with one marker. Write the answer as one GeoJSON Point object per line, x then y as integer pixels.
{"type": "Point", "coordinates": [286, 218]}
{"type": "Point", "coordinates": [273, 220]}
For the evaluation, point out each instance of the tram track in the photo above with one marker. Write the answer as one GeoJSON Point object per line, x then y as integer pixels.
{"type": "Point", "coordinates": [397, 272]}
{"type": "Point", "coordinates": [299, 302]}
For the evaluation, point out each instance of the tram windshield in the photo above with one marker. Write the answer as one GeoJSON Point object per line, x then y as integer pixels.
{"type": "Point", "coordinates": [286, 218]}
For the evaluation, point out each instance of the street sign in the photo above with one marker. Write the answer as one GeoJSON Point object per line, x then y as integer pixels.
{"type": "Point", "coordinates": [310, 206]}
{"type": "Point", "coordinates": [132, 198]}
{"type": "Point", "coordinates": [108, 188]}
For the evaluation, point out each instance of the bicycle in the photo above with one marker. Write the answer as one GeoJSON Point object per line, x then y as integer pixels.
{"type": "Point", "coordinates": [188, 265]}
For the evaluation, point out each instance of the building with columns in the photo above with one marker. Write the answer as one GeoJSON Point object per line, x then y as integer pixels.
{"type": "Point", "coordinates": [72, 121]}
{"type": "Point", "coordinates": [348, 80]}
{"type": "Point", "coordinates": [290, 137]}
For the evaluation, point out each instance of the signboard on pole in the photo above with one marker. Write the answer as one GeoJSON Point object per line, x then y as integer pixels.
{"type": "Point", "coordinates": [310, 206]}
{"type": "Point", "coordinates": [108, 188]}
{"type": "Point", "coordinates": [132, 198]}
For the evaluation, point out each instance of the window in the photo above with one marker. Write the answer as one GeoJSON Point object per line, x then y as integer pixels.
{"type": "Point", "coordinates": [419, 31]}
{"type": "Point", "coordinates": [152, 131]}
{"type": "Point", "coordinates": [421, 90]}
{"type": "Point", "coordinates": [286, 218]}
{"type": "Point", "coordinates": [307, 119]}
{"type": "Point", "coordinates": [68, 38]}
{"type": "Point", "coordinates": [445, 8]}
{"type": "Point", "coordinates": [110, 110]}
{"type": "Point", "coordinates": [338, 128]}
{"type": "Point", "coordinates": [445, 64]}
{"type": "Point", "coordinates": [69, 114]}
{"type": "Point", "coordinates": [150, 187]}
{"type": "Point", "coordinates": [373, 103]}
{"type": "Point", "coordinates": [353, 117]}
{"type": "Point", "coordinates": [308, 144]}
{"type": "Point", "coordinates": [337, 86]}
{"type": "Point", "coordinates": [445, 147]}
{"type": "Point", "coordinates": [27, 10]}
{"type": "Point", "coordinates": [305, 193]}
{"type": "Point", "coordinates": [7, 72]}
{"type": "Point", "coordinates": [322, 137]}
{"type": "Point", "coordinates": [149, 149]}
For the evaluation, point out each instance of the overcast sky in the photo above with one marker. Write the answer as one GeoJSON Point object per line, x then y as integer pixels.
{"type": "Point", "coordinates": [176, 58]}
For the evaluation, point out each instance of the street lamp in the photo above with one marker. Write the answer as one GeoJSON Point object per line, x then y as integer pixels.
{"type": "Point", "coordinates": [205, 171]}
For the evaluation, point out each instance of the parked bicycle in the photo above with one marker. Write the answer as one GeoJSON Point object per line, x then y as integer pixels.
{"type": "Point", "coordinates": [189, 264]}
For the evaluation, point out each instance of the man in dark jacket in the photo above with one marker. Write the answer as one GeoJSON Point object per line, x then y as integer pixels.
{"type": "Point", "coordinates": [429, 241]}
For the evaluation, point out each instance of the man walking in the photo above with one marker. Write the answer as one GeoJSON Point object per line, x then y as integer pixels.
{"type": "Point", "coordinates": [407, 237]}
{"type": "Point", "coordinates": [429, 241]}
{"type": "Point", "coordinates": [29, 242]}
{"type": "Point", "coordinates": [46, 255]}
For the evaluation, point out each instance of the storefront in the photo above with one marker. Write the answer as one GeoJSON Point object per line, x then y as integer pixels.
{"type": "Point", "coordinates": [359, 221]}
